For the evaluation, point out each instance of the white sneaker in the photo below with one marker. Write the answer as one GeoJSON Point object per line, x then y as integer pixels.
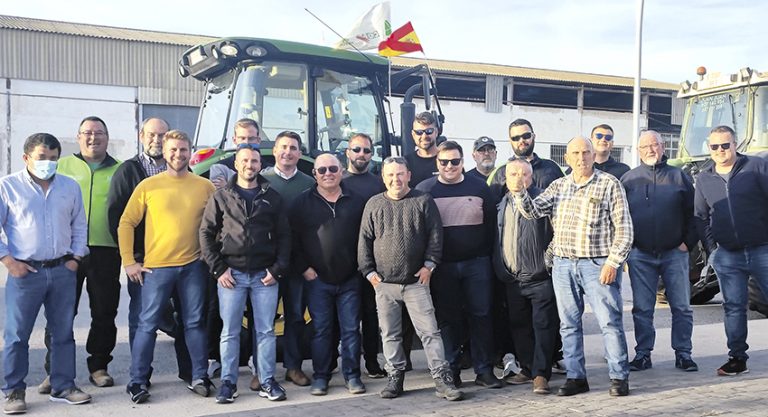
{"type": "Point", "coordinates": [214, 368]}
{"type": "Point", "coordinates": [510, 365]}
{"type": "Point", "coordinates": [558, 367]}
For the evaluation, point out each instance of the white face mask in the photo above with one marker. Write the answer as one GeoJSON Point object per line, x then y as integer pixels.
{"type": "Point", "coordinates": [44, 169]}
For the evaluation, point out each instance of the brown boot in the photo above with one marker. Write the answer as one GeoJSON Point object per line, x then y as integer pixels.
{"type": "Point", "coordinates": [297, 376]}
{"type": "Point", "coordinates": [541, 386]}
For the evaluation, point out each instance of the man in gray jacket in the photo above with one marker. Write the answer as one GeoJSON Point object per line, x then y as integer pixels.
{"type": "Point", "coordinates": [401, 240]}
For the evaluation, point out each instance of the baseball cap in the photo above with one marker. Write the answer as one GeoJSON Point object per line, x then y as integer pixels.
{"type": "Point", "coordinates": [483, 141]}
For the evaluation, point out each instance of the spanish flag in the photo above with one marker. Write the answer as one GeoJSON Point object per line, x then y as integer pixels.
{"type": "Point", "coordinates": [401, 41]}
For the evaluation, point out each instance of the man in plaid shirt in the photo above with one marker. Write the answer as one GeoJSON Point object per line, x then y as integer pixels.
{"type": "Point", "coordinates": [592, 238]}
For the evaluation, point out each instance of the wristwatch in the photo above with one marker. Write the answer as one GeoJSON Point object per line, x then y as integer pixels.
{"type": "Point", "coordinates": [430, 265]}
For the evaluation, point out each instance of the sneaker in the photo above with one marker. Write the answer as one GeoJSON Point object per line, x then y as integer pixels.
{"type": "Point", "coordinates": [101, 379]}
{"type": "Point", "coordinates": [297, 376]}
{"type": "Point", "coordinates": [573, 387]}
{"type": "Point", "coordinates": [541, 386]}
{"type": "Point", "coordinates": [319, 387]}
{"type": "Point", "coordinates": [640, 363]}
{"type": "Point", "coordinates": [558, 367]}
{"type": "Point", "coordinates": [201, 387]}
{"type": "Point", "coordinates": [45, 386]}
{"type": "Point", "coordinates": [355, 386]}
{"type": "Point", "coordinates": [271, 390]}
{"type": "Point", "coordinates": [71, 396]}
{"type": "Point", "coordinates": [619, 388]}
{"type": "Point", "coordinates": [686, 364]}
{"type": "Point", "coordinates": [138, 393]}
{"type": "Point", "coordinates": [227, 392]}
{"type": "Point", "coordinates": [15, 403]}
{"type": "Point", "coordinates": [446, 388]}
{"type": "Point", "coordinates": [214, 368]}
{"type": "Point", "coordinates": [394, 385]}
{"type": "Point", "coordinates": [255, 384]}
{"type": "Point", "coordinates": [518, 379]}
{"type": "Point", "coordinates": [733, 367]}
{"type": "Point", "coordinates": [375, 371]}
{"type": "Point", "coordinates": [488, 380]}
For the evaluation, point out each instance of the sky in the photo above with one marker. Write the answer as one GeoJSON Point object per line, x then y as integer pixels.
{"type": "Point", "coordinates": [593, 36]}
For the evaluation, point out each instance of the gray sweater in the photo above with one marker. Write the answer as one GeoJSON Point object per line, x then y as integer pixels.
{"type": "Point", "coordinates": [398, 236]}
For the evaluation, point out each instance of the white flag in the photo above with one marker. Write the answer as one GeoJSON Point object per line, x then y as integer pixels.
{"type": "Point", "coordinates": [371, 29]}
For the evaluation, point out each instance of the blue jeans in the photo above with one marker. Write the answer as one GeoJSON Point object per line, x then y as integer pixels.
{"type": "Point", "coordinates": [462, 292]}
{"type": "Point", "coordinates": [573, 279]}
{"type": "Point", "coordinates": [231, 306]}
{"type": "Point", "coordinates": [294, 305]}
{"type": "Point", "coordinates": [326, 302]}
{"type": "Point", "coordinates": [644, 271]}
{"type": "Point", "coordinates": [53, 288]}
{"type": "Point", "coordinates": [189, 281]}
{"type": "Point", "coordinates": [733, 270]}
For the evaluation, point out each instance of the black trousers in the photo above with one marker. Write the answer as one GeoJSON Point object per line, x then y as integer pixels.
{"type": "Point", "coordinates": [370, 326]}
{"type": "Point", "coordinates": [533, 324]}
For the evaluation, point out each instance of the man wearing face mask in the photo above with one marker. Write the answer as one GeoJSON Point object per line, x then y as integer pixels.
{"type": "Point", "coordinates": [423, 162]}
{"type": "Point", "coordinates": [93, 168]}
{"type": "Point", "coordinates": [43, 242]}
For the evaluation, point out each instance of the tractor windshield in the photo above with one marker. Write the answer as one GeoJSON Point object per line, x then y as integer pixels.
{"type": "Point", "coordinates": [707, 112]}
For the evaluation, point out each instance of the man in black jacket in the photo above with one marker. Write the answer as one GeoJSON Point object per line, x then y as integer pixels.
{"type": "Point", "coordinates": [660, 200]}
{"type": "Point", "coordinates": [325, 221]}
{"type": "Point", "coordinates": [127, 176]}
{"type": "Point", "coordinates": [246, 242]}
{"type": "Point", "coordinates": [602, 140]}
{"type": "Point", "coordinates": [730, 209]}
{"type": "Point", "coordinates": [400, 245]}
{"type": "Point", "coordinates": [519, 262]}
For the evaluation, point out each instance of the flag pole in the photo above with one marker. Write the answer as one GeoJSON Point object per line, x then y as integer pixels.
{"type": "Point", "coordinates": [339, 35]}
{"type": "Point", "coordinates": [637, 92]}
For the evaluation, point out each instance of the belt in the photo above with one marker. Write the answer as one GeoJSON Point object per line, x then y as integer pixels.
{"type": "Point", "coordinates": [50, 263]}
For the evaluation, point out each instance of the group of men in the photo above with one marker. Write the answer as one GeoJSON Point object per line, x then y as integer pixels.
{"type": "Point", "coordinates": [423, 248]}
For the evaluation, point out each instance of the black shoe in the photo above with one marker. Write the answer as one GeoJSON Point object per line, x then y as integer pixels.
{"type": "Point", "coordinates": [640, 363]}
{"type": "Point", "coordinates": [488, 380]}
{"type": "Point", "coordinates": [138, 393]}
{"type": "Point", "coordinates": [456, 378]}
{"type": "Point", "coordinates": [619, 388]}
{"type": "Point", "coordinates": [202, 387]}
{"type": "Point", "coordinates": [394, 386]}
{"type": "Point", "coordinates": [573, 387]}
{"type": "Point", "coordinates": [733, 367]}
{"type": "Point", "coordinates": [686, 364]}
{"type": "Point", "coordinates": [375, 371]}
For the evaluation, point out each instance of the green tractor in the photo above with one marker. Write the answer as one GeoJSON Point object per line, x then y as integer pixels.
{"type": "Point", "coordinates": [737, 100]}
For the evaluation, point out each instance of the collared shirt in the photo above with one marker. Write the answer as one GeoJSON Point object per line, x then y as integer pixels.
{"type": "Point", "coordinates": [152, 166]}
{"type": "Point", "coordinates": [590, 220]}
{"type": "Point", "coordinates": [283, 175]}
{"type": "Point", "coordinates": [41, 226]}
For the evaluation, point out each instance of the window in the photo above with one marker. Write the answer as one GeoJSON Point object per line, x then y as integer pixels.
{"type": "Point", "coordinates": [536, 95]}
{"type": "Point", "coordinates": [607, 100]}
{"type": "Point", "coordinates": [617, 154]}
{"type": "Point", "coordinates": [671, 145]}
{"type": "Point", "coordinates": [557, 154]}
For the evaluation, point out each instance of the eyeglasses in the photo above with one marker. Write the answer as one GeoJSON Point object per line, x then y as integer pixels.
{"type": "Point", "coordinates": [524, 136]}
{"type": "Point", "coordinates": [358, 149]}
{"type": "Point", "coordinates": [97, 134]}
{"type": "Point", "coordinates": [652, 145]}
{"type": "Point", "coordinates": [486, 149]}
{"type": "Point", "coordinates": [454, 162]}
{"type": "Point", "coordinates": [429, 131]}
{"type": "Point", "coordinates": [603, 136]}
{"type": "Point", "coordinates": [252, 146]}
{"type": "Point", "coordinates": [322, 170]}
{"type": "Point", "coordinates": [724, 146]}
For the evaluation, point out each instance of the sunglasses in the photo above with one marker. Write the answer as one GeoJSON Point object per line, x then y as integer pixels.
{"type": "Point", "coordinates": [253, 146]}
{"type": "Point", "coordinates": [429, 131]}
{"type": "Point", "coordinates": [454, 162]}
{"type": "Point", "coordinates": [724, 146]}
{"type": "Point", "coordinates": [525, 136]}
{"type": "Point", "coordinates": [358, 149]}
{"type": "Point", "coordinates": [322, 170]}
{"type": "Point", "coordinates": [603, 136]}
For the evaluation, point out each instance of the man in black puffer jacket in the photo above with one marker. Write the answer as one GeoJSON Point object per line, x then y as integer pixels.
{"type": "Point", "coordinates": [519, 262]}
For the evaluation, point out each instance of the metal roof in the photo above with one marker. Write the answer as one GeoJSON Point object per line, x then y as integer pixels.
{"type": "Point", "coordinates": [472, 68]}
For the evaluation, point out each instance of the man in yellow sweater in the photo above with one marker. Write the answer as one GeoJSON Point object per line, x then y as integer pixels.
{"type": "Point", "coordinates": [171, 204]}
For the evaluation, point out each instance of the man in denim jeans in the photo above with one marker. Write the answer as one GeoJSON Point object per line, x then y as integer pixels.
{"type": "Point", "coordinates": [172, 204]}
{"type": "Point", "coordinates": [661, 204]}
{"type": "Point", "coordinates": [246, 242]}
{"type": "Point", "coordinates": [592, 237]}
{"type": "Point", "coordinates": [730, 203]}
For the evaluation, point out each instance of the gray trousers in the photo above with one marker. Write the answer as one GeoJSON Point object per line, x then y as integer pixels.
{"type": "Point", "coordinates": [418, 301]}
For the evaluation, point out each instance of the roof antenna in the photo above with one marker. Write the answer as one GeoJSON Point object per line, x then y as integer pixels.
{"type": "Point", "coordinates": [337, 34]}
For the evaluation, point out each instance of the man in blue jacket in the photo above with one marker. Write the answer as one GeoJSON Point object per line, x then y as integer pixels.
{"type": "Point", "coordinates": [660, 200]}
{"type": "Point", "coordinates": [730, 209]}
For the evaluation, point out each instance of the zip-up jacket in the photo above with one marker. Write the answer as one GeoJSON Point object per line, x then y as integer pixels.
{"type": "Point", "coordinates": [530, 241]}
{"type": "Point", "coordinates": [95, 188]}
{"type": "Point", "coordinates": [127, 176]}
{"type": "Point", "coordinates": [325, 234]}
{"type": "Point", "coordinates": [231, 237]}
{"type": "Point", "coordinates": [545, 171]}
{"type": "Point", "coordinates": [733, 214]}
{"type": "Point", "coordinates": [661, 205]}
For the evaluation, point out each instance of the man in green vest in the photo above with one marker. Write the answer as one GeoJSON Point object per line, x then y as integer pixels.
{"type": "Point", "coordinates": [93, 168]}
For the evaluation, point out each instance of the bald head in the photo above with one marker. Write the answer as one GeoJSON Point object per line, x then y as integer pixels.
{"type": "Point", "coordinates": [580, 156]}
{"type": "Point", "coordinates": [328, 172]}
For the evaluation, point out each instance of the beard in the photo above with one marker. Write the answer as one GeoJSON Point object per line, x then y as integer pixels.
{"type": "Point", "coordinates": [154, 153]}
{"type": "Point", "coordinates": [524, 153]}
{"type": "Point", "coordinates": [487, 165]}
{"type": "Point", "coordinates": [360, 164]}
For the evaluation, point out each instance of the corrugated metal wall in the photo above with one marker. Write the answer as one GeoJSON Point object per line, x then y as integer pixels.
{"type": "Point", "coordinates": [59, 57]}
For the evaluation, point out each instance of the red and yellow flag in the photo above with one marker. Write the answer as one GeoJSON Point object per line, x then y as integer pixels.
{"type": "Point", "coordinates": [401, 41]}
